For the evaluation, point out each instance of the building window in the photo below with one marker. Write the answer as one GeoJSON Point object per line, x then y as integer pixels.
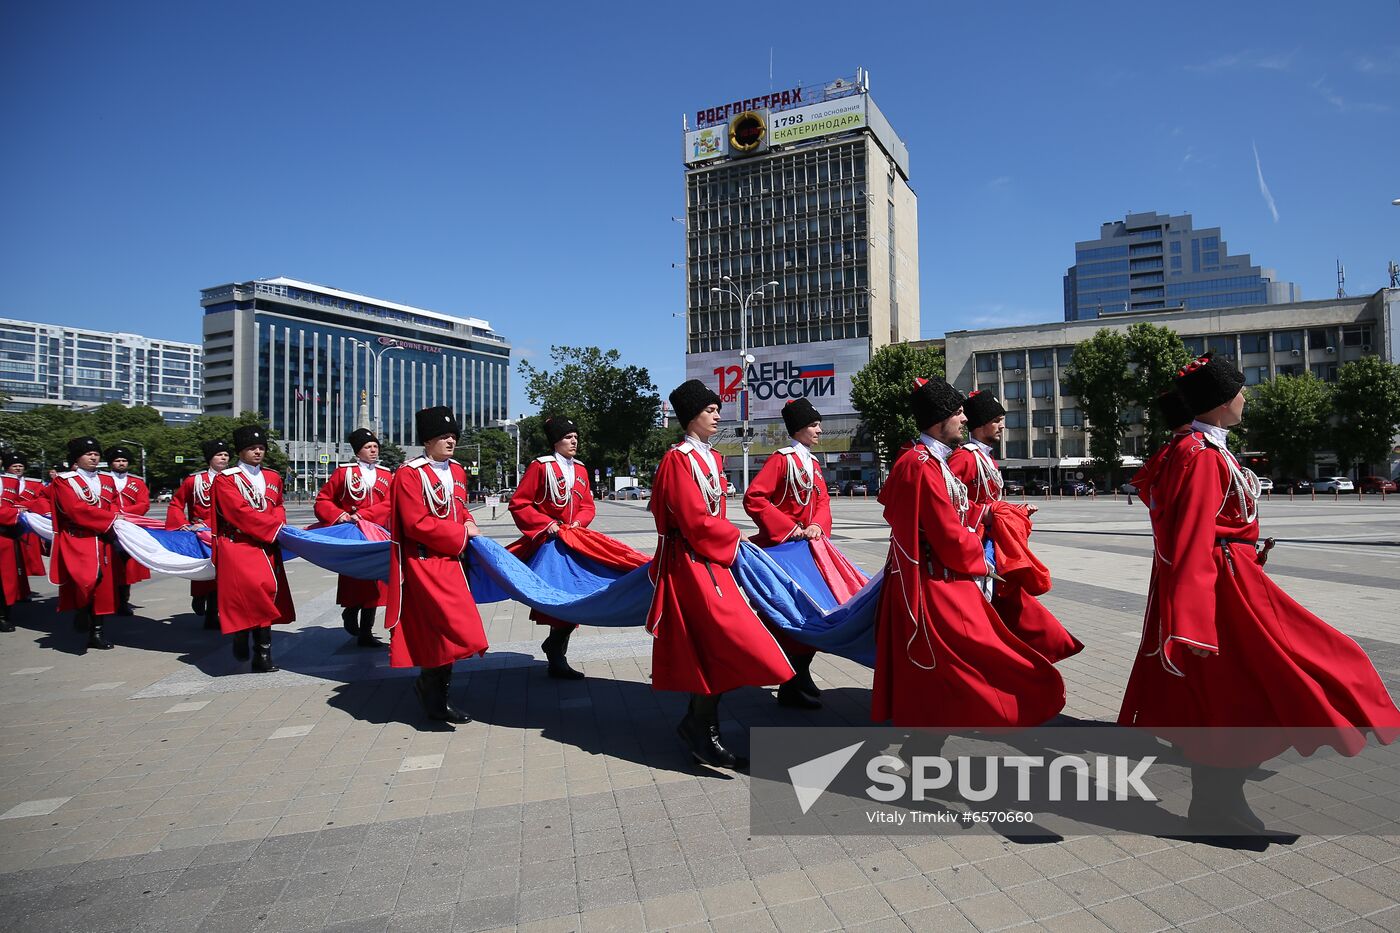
{"type": "Point", "coordinates": [1016, 419]}
{"type": "Point", "coordinates": [1013, 360]}
{"type": "Point", "coordinates": [1043, 418]}
{"type": "Point", "coordinates": [1222, 347]}
{"type": "Point", "coordinates": [1195, 345]}
{"type": "Point", "coordinates": [1285, 340]}
{"type": "Point", "coordinates": [1072, 447]}
{"type": "Point", "coordinates": [1291, 369]}
{"type": "Point", "coordinates": [1041, 359]}
{"type": "Point", "coordinates": [1357, 335]}
{"type": "Point", "coordinates": [1044, 449]}
{"type": "Point", "coordinates": [1071, 418]}
{"type": "Point", "coordinates": [1327, 372]}
{"type": "Point", "coordinates": [990, 387]}
{"type": "Point", "coordinates": [1320, 338]}
{"type": "Point", "coordinates": [1040, 388]}
{"type": "Point", "coordinates": [1064, 355]}
{"type": "Point", "coordinates": [1253, 375]}
{"type": "Point", "coordinates": [1016, 450]}
{"type": "Point", "coordinates": [1015, 390]}
{"type": "Point", "coordinates": [986, 362]}
{"type": "Point", "coordinates": [1176, 248]}
{"type": "Point", "coordinates": [1254, 343]}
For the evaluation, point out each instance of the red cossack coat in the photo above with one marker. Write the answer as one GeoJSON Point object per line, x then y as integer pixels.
{"type": "Point", "coordinates": [785, 495]}
{"type": "Point", "coordinates": [707, 638]}
{"type": "Point", "coordinates": [1279, 674]}
{"type": "Point", "coordinates": [14, 581]}
{"type": "Point", "coordinates": [32, 495]}
{"type": "Point", "coordinates": [432, 616]}
{"type": "Point", "coordinates": [944, 658]}
{"type": "Point", "coordinates": [545, 496]}
{"type": "Point", "coordinates": [81, 562]}
{"type": "Point", "coordinates": [134, 498]}
{"type": "Point", "coordinates": [252, 584]}
{"type": "Point", "coordinates": [1019, 609]}
{"type": "Point", "coordinates": [346, 493]}
{"type": "Point", "coordinates": [193, 504]}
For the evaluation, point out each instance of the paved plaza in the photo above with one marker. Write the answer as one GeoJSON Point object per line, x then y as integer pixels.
{"type": "Point", "coordinates": [158, 787]}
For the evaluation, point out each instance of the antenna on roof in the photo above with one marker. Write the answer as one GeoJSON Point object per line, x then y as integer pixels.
{"type": "Point", "coordinates": [1341, 280]}
{"type": "Point", "coordinates": [1394, 275]}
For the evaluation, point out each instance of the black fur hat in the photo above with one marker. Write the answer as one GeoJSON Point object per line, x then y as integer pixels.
{"type": "Point", "coordinates": [1208, 383]}
{"type": "Point", "coordinates": [116, 452]}
{"type": "Point", "coordinates": [932, 401]}
{"type": "Point", "coordinates": [360, 437]}
{"type": "Point", "coordinates": [249, 435]}
{"type": "Point", "coordinates": [982, 407]}
{"type": "Point", "coordinates": [210, 448]}
{"type": "Point", "coordinates": [82, 445]}
{"type": "Point", "coordinates": [690, 398]}
{"type": "Point", "coordinates": [798, 414]}
{"type": "Point", "coordinates": [1172, 407]}
{"type": "Point", "coordinates": [435, 422]}
{"type": "Point", "coordinates": [558, 427]}
{"type": "Point", "coordinates": [14, 457]}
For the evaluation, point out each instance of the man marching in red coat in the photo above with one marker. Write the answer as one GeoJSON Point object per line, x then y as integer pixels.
{"type": "Point", "coordinates": [553, 494]}
{"type": "Point", "coordinates": [191, 509]}
{"type": "Point", "coordinates": [1223, 647]}
{"type": "Point", "coordinates": [252, 585]}
{"type": "Point", "coordinates": [788, 501]}
{"type": "Point", "coordinates": [25, 490]}
{"type": "Point", "coordinates": [84, 508]}
{"type": "Point", "coordinates": [14, 580]}
{"type": "Point", "coordinates": [432, 618]}
{"type": "Point", "coordinates": [707, 639]}
{"type": "Point", "coordinates": [944, 659]}
{"type": "Point", "coordinates": [1006, 527]}
{"type": "Point", "coordinates": [358, 492]}
{"type": "Point", "coordinates": [133, 498]}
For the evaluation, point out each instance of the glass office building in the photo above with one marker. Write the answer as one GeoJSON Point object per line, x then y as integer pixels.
{"type": "Point", "coordinates": [50, 364]}
{"type": "Point", "coordinates": [1153, 262]}
{"type": "Point", "coordinates": [316, 362]}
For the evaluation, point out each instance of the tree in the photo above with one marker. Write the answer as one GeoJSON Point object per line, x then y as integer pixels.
{"type": "Point", "coordinates": [880, 392]}
{"type": "Point", "coordinates": [1156, 354]}
{"type": "Point", "coordinates": [488, 447]}
{"type": "Point", "coordinates": [1287, 419]}
{"type": "Point", "coordinates": [1367, 402]}
{"type": "Point", "coordinates": [1098, 374]}
{"type": "Point", "coordinates": [614, 406]}
{"type": "Point", "coordinates": [391, 455]}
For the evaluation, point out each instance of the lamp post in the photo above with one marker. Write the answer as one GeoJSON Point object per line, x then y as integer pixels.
{"type": "Point", "coordinates": [378, 355]}
{"type": "Point", "coordinates": [138, 446]}
{"type": "Point", "coordinates": [745, 359]}
{"type": "Point", "coordinates": [514, 427]}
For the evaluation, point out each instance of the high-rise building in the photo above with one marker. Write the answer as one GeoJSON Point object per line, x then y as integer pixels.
{"type": "Point", "coordinates": [52, 364]}
{"type": "Point", "coordinates": [809, 188]}
{"type": "Point", "coordinates": [316, 361]}
{"type": "Point", "coordinates": [1153, 262]}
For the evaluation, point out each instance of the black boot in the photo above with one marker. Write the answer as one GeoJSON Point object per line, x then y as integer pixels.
{"type": "Point", "coordinates": [432, 686]}
{"type": "Point", "coordinates": [81, 620]}
{"type": "Point", "coordinates": [791, 695]}
{"type": "Point", "coordinates": [350, 618]}
{"type": "Point", "coordinates": [5, 624]}
{"type": "Point", "coordinates": [699, 730]}
{"type": "Point", "coordinates": [556, 650]}
{"type": "Point", "coordinates": [198, 604]}
{"type": "Point", "coordinates": [366, 637]}
{"type": "Point", "coordinates": [240, 646]}
{"type": "Point", "coordinates": [124, 601]}
{"type": "Point", "coordinates": [211, 613]}
{"type": "Point", "coordinates": [1218, 804]}
{"type": "Point", "coordinates": [95, 637]}
{"type": "Point", "coordinates": [802, 670]}
{"type": "Point", "coordinates": [262, 651]}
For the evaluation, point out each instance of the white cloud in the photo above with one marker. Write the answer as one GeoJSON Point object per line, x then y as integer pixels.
{"type": "Point", "coordinates": [1263, 186]}
{"type": "Point", "coordinates": [1246, 60]}
{"type": "Point", "coordinates": [1345, 105]}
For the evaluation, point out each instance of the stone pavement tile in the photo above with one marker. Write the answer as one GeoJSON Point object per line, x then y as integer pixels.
{"type": "Point", "coordinates": [1359, 925]}
{"type": "Point", "coordinates": [858, 906]}
{"type": "Point", "coordinates": [755, 921]}
{"type": "Point", "coordinates": [609, 892]}
{"type": "Point", "coordinates": [377, 901]}
{"type": "Point", "coordinates": [621, 919]}
{"type": "Point", "coordinates": [672, 911]}
{"type": "Point", "coordinates": [233, 921]}
{"type": "Point", "coordinates": [917, 893]}
{"type": "Point", "coordinates": [667, 879]}
{"type": "Point", "coordinates": [735, 897]}
{"type": "Point", "coordinates": [711, 872]}
{"type": "Point", "coordinates": [772, 860]}
{"type": "Point", "coordinates": [836, 877]}
{"type": "Point", "coordinates": [1129, 915]}
{"type": "Point", "coordinates": [1316, 909]}
{"type": "Point", "coordinates": [1261, 880]}
{"type": "Point", "coordinates": [1219, 891]}
{"type": "Point", "coordinates": [1076, 921]}
{"type": "Point", "coordinates": [1042, 899]}
{"type": "Point", "coordinates": [931, 856]}
{"type": "Point", "coordinates": [993, 911]}
{"type": "Point", "coordinates": [546, 903]}
{"type": "Point", "coordinates": [890, 865]}
{"type": "Point", "coordinates": [784, 888]}
{"type": "Point", "coordinates": [297, 916]}
{"type": "Point", "coordinates": [1266, 917]}
{"type": "Point", "coordinates": [954, 883]}
{"type": "Point", "coordinates": [944, 918]}
{"type": "Point", "coordinates": [439, 920]}
{"type": "Point", "coordinates": [1178, 905]}
{"type": "Point", "coordinates": [803, 916]}
{"type": "Point", "coordinates": [1217, 924]}
{"type": "Point", "coordinates": [1091, 886]}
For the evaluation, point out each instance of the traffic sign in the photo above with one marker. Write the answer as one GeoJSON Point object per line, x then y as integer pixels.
{"type": "Point", "coordinates": [325, 458]}
{"type": "Point", "coordinates": [179, 459]}
{"type": "Point", "coordinates": [610, 471]}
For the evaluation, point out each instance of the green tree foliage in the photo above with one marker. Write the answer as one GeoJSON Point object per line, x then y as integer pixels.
{"type": "Point", "coordinates": [488, 447]}
{"type": "Point", "coordinates": [880, 392]}
{"type": "Point", "coordinates": [1098, 374]}
{"type": "Point", "coordinates": [1286, 418]}
{"type": "Point", "coordinates": [614, 405]}
{"type": "Point", "coordinates": [1367, 402]}
{"type": "Point", "coordinates": [391, 455]}
{"type": "Point", "coordinates": [1156, 354]}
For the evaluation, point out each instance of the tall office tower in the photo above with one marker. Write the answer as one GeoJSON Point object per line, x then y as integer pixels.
{"type": "Point", "coordinates": [72, 367]}
{"type": "Point", "coordinates": [314, 361]}
{"type": "Point", "coordinates": [1152, 262]}
{"type": "Point", "coordinates": [807, 187]}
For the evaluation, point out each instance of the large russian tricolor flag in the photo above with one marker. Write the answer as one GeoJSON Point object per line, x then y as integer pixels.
{"type": "Point", "coordinates": [816, 370]}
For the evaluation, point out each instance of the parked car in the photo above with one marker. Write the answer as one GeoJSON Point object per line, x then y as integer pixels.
{"type": "Point", "coordinates": [1127, 487]}
{"type": "Point", "coordinates": [729, 489]}
{"type": "Point", "coordinates": [167, 495]}
{"type": "Point", "coordinates": [833, 489]}
{"type": "Point", "coordinates": [1074, 487]}
{"type": "Point", "coordinates": [1037, 487]}
{"type": "Point", "coordinates": [1376, 484]}
{"type": "Point", "coordinates": [856, 488]}
{"type": "Point", "coordinates": [1013, 487]}
{"type": "Point", "coordinates": [1266, 484]}
{"type": "Point", "coordinates": [1297, 485]}
{"type": "Point", "coordinates": [1333, 484]}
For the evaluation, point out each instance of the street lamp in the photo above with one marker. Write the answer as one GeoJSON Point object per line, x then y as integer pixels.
{"type": "Point", "coordinates": [745, 359]}
{"type": "Point", "coordinates": [514, 427]}
{"type": "Point", "coordinates": [139, 447]}
{"type": "Point", "coordinates": [378, 355]}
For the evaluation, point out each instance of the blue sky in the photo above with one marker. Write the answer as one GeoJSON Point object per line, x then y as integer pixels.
{"type": "Point", "coordinates": [521, 162]}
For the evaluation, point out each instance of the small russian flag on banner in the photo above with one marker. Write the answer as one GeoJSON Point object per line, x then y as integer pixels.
{"type": "Point", "coordinates": [743, 404]}
{"type": "Point", "coordinates": [816, 370]}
